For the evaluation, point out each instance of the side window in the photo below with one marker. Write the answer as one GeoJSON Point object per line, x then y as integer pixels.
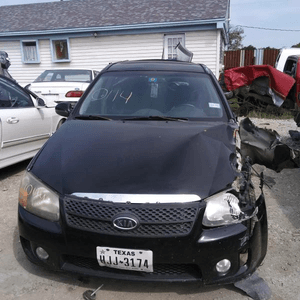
{"type": "Point", "coordinates": [12, 96]}
{"type": "Point", "coordinates": [30, 52]}
{"type": "Point", "coordinates": [60, 50]}
{"type": "Point", "coordinates": [170, 42]}
{"type": "Point", "coordinates": [290, 67]}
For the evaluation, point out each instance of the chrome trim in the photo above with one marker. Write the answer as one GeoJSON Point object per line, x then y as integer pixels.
{"type": "Point", "coordinates": [140, 198]}
{"type": "Point", "coordinates": [31, 139]}
{"type": "Point", "coordinates": [120, 218]}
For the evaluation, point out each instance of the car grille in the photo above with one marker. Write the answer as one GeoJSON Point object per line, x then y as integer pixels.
{"type": "Point", "coordinates": [156, 220]}
{"type": "Point", "coordinates": [168, 272]}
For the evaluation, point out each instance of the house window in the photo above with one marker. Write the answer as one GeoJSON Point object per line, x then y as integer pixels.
{"type": "Point", "coordinates": [170, 43]}
{"type": "Point", "coordinates": [60, 50]}
{"type": "Point", "coordinates": [30, 52]}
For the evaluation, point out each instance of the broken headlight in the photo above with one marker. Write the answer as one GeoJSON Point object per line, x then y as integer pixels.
{"type": "Point", "coordinates": [224, 209]}
{"type": "Point", "coordinates": [38, 199]}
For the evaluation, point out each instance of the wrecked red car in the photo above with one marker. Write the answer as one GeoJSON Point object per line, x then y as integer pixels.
{"type": "Point", "coordinates": [261, 87]}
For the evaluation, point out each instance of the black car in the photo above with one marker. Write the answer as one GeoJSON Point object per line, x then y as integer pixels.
{"type": "Point", "coordinates": [144, 181]}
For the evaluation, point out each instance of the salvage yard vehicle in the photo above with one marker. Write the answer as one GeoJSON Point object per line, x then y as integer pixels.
{"type": "Point", "coordinates": [26, 122]}
{"type": "Point", "coordinates": [262, 87]}
{"type": "Point", "coordinates": [259, 87]}
{"type": "Point", "coordinates": [145, 181]}
{"type": "Point", "coordinates": [292, 68]}
{"type": "Point", "coordinates": [59, 85]}
{"type": "Point", "coordinates": [283, 55]}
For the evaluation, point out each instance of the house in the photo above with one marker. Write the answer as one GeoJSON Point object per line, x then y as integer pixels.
{"type": "Point", "coordinates": [92, 33]}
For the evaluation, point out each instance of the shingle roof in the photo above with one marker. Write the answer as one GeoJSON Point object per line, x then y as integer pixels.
{"type": "Point", "coordinates": [101, 13]}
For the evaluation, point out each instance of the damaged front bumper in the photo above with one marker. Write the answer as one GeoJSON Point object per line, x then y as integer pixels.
{"type": "Point", "coordinates": [264, 147]}
{"type": "Point", "coordinates": [195, 256]}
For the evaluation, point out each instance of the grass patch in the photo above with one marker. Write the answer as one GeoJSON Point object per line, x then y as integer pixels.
{"type": "Point", "coordinates": [266, 112]}
{"type": "Point", "coordinates": [266, 115]}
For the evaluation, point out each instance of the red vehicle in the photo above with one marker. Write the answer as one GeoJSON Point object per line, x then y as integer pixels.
{"type": "Point", "coordinates": [262, 86]}
{"type": "Point", "coordinates": [292, 68]}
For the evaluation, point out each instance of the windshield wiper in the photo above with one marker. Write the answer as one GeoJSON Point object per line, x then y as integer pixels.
{"type": "Point", "coordinates": [92, 117]}
{"type": "Point", "coordinates": [157, 118]}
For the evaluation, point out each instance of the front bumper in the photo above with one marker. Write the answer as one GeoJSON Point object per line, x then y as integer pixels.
{"type": "Point", "coordinates": [187, 257]}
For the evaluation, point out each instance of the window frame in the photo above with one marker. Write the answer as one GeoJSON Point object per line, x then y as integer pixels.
{"type": "Point", "coordinates": [53, 52]}
{"type": "Point", "coordinates": [290, 66]}
{"type": "Point", "coordinates": [9, 86]}
{"type": "Point", "coordinates": [37, 60]}
{"type": "Point", "coordinates": [166, 37]}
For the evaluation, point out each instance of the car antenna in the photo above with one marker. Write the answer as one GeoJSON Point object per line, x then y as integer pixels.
{"type": "Point", "coordinates": [91, 295]}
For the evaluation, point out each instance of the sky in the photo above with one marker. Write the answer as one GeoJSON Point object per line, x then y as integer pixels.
{"type": "Point", "coordinates": [282, 16]}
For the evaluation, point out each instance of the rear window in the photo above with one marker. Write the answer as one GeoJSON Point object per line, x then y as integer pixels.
{"type": "Point", "coordinates": [183, 95]}
{"type": "Point", "coordinates": [65, 76]}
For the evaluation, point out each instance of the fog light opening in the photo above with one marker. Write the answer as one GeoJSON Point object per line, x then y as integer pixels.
{"type": "Point", "coordinates": [244, 258]}
{"type": "Point", "coordinates": [223, 266]}
{"type": "Point", "coordinates": [41, 253]}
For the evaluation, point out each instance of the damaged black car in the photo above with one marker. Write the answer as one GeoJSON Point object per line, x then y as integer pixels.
{"type": "Point", "coordinates": [145, 181]}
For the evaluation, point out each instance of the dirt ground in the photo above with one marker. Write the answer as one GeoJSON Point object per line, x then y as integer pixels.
{"type": "Point", "coordinates": [19, 279]}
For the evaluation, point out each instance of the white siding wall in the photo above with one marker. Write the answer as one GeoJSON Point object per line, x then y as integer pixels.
{"type": "Point", "coordinates": [96, 53]}
{"type": "Point", "coordinates": [204, 46]}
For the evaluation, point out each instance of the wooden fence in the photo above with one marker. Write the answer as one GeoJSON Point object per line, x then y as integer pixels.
{"type": "Point", "coordinates": [241, 58]}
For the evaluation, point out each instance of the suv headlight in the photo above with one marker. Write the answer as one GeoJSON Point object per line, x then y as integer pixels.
{"type": "Point", "coordinates": [224, 209]}
{"type": "Point", "coordinates": [38, 199]}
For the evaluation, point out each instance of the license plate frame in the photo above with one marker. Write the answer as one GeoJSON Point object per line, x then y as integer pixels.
{"type": "Point", "coordinates": [125, 259]}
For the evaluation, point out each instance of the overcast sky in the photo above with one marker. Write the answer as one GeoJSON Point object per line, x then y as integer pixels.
{"type": "Point", "coordinates": [283, 16]}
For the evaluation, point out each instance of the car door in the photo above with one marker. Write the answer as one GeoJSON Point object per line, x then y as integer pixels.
{"type": "Point", "coordinates": [24, 125]}
{"type": "Point", "coordinates": [297, 78]}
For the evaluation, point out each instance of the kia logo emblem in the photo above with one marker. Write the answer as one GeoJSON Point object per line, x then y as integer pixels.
{"type": "Point", "coordinates": [125, 223]}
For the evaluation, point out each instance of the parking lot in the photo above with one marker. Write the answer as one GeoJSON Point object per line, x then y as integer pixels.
{"type": "Point", "coordinates": [19, 279]}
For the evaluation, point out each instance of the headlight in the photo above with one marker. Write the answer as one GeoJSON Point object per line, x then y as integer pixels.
{"type": "Point", "coordinates": [224, 209]}
{"type": "Point", "coordinates": [38, 199]}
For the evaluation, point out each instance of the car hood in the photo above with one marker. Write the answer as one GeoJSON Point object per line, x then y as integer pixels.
{"type": "Point", "coordinates": [138, 157]}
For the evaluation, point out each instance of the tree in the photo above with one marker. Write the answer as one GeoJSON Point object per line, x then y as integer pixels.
{"type": "Point", "coordinates": [250, 47]}
{"type": "Point", "coordinates": [270, 48]}
{"type": "Point", "coordinates": [235, 37]}
{"type": "Point", "coordinates": [296, 45]}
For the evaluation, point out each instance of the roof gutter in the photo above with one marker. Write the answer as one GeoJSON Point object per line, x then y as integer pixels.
{"type": "Point", "coordinates": [111, 28]}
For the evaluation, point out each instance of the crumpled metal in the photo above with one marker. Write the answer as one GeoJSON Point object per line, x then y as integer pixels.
{"type": "Point", "coordinates": [264, 147]}
{"type": "Point", "coordinates": [255, 287]}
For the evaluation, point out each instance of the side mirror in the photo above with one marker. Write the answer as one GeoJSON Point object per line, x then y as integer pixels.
{"type": "Point", "coordinates": [63, 109]}
{"type": "Point", "coordinates": [41, 102]}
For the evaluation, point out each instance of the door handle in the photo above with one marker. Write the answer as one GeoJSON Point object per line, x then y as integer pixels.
{"type": "Point", "coordinates": [12, 120]}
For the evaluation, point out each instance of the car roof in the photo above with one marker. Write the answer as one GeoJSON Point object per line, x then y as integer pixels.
{"type": "Point", "coordinates": [156, 65]}
{"type": "Point", "coordinates": [294, 57]}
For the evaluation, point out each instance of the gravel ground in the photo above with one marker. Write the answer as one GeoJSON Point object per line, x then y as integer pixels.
{"type": "Point", "coordinates": [19, 279]}
{"type": "Point", "coordinates": [281, 268]}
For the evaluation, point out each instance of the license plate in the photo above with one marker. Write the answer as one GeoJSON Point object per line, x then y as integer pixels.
{"type": "Point", "coordinates": [125, 259]}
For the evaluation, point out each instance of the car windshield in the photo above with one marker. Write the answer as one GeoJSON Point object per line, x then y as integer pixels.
{"type": "Point", "coordinates": [134, 94]}
{"type": "Point", "coordinates": [65, 76]}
